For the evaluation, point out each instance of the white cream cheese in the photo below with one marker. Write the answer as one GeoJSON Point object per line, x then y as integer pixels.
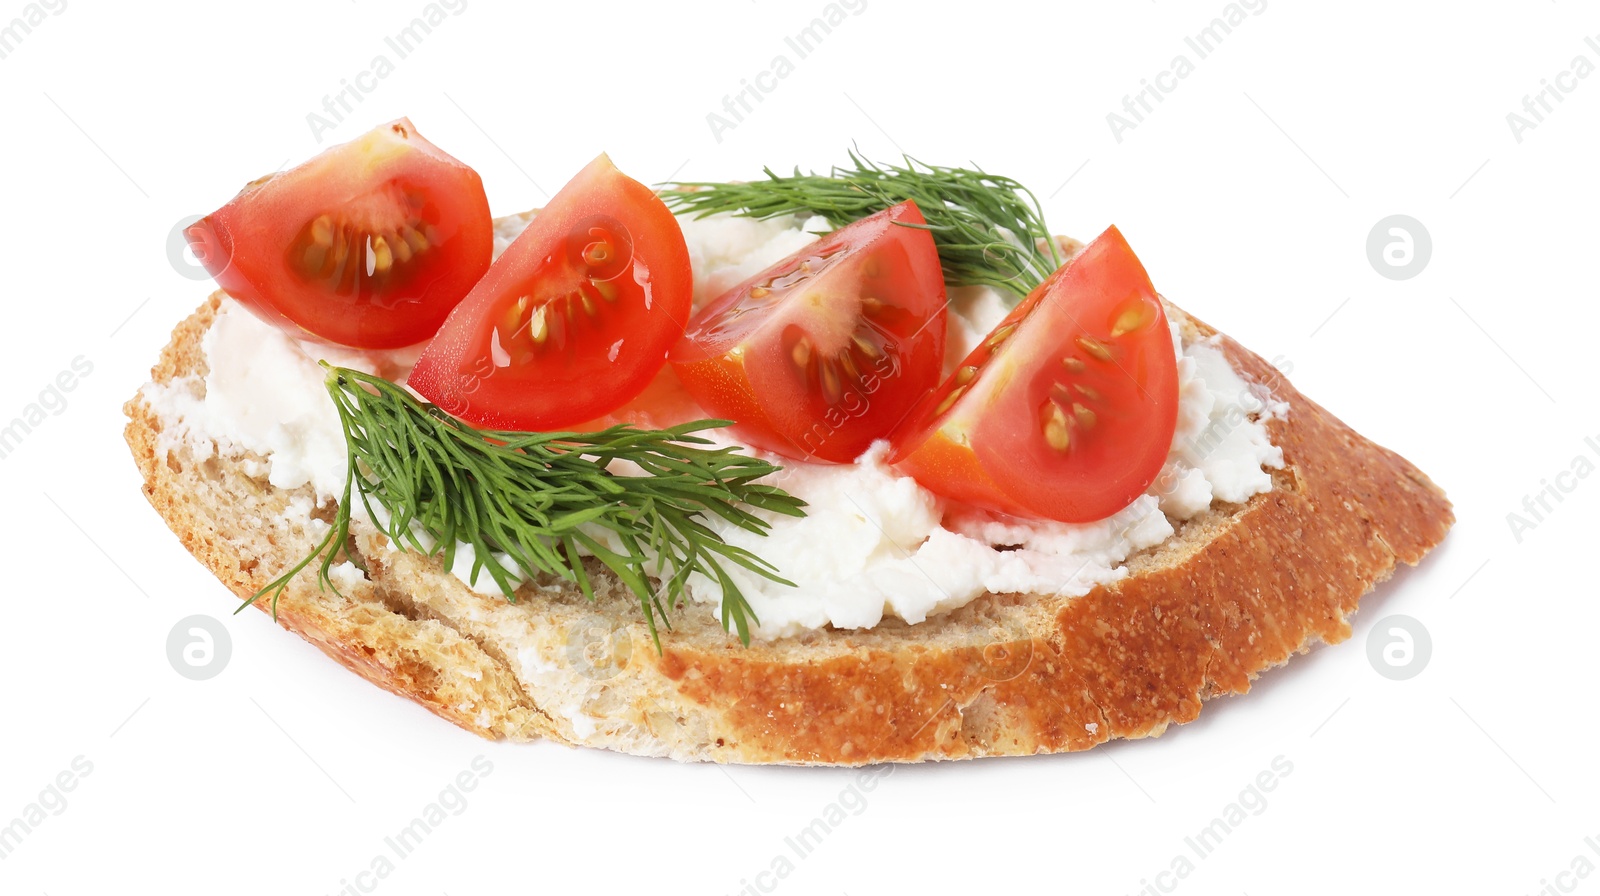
{"type": "Point", "coordinates": [265, 395]}
{"type": "Point", "coordinates": [726, 251]}
{"type": "Point", "coordinates": [873, 543]}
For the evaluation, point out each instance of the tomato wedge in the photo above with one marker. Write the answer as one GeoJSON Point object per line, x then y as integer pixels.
{"type": "Point", "coordinates": [829, 349]}
{"type": "Point", "coordinates": [574, 319]}
{"type": "Point", "coordinates": [1066, 411]}
{"type": "Point", "coordinates": [370, 244]}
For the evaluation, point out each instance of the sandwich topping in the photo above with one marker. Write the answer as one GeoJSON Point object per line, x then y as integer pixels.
{"type": "Point", "coordinates": [920, 398]}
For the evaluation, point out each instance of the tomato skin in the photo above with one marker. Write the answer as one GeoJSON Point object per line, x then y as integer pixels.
{"type": "Point", "coordinates": [1067, 410]}
{"type": "Point", "coordinates": [826, 351]}
{"type": "Point", "coordinates": [950, 469]}
{"type": "Point", "coordinates": [574, 319]}
{"type": "Point", "coordinates": [386, 184]}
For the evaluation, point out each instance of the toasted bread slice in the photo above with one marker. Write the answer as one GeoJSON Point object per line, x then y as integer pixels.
{"type": "Point", "coordinates": [1236, 591]}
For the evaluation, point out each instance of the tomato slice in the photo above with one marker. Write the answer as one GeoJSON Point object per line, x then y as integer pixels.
{"type": "Point", "coordinates": [1066, 411]}
{"type": "Point", "coordinates": [574, 319]}
{"type": "Point", "coordinates": [370, 244]}
{"type": "Point", "coordinates": [829, 349]}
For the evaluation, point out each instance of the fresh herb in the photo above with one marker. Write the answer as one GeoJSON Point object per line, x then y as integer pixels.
{"type": "Point", "coordinates": [989, 229]}
{"type": "Point", "coordinates": [538, 499]}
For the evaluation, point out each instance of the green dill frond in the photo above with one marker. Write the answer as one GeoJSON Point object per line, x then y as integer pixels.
{"type": "Point", "coordinates": [989, 229]}
{"type": "Point", "coordinates": [536, 502]}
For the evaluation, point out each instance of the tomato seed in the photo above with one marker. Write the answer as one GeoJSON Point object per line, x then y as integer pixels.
{"type": "Point", "coordinates": [830, 382]}
{"type": "Point", "coordinates": [1000, 335]}
{"type": "Point", "coordinates": [1135, 318]}
{"type": "Point", "coordinates": [849, 364]}
{"type": "Point", "coordinates": [314, 258]}
{"type": "Point", "coordinates": [414, 239]}
{"type": "Point", "coordinates": [382, 258]}
{"type": "Point", "coordinates": [322, 231]}
{"type": "Point", "coordinates": [1056, 433]}
{"type": "Point", "coordinates": [401, 249]}
{"type": "Point", "coordinates": [949, 400]}
{"type": "Point", "coordinates": [1095, 348]}
{"type": "Point", "coordinates": [538, 327]}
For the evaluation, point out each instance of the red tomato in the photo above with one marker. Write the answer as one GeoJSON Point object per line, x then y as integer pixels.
{"type": "Point", "coordinates": [574, 319]}
{"type": "Point", "coordinates": [1066, 411]}
{"type": "Point", "coordinates": [370, 244]}
{"type": "Point", "coordinates": [827, 350]}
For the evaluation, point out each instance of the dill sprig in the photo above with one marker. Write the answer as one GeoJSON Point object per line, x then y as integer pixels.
{"type": "Point", "coordinates": [989, 229]}
{"type": "Point", "coordinates": [540, 500]}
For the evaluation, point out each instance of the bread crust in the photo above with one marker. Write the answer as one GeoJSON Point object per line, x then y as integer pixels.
{"type": "Point", "coordinates": [1237, 591]}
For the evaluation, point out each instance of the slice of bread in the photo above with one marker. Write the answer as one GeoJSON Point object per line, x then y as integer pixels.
{"type": "Point", "coordinates": [1236, 591]}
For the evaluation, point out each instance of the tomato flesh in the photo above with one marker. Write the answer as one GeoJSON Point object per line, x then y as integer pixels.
{"type": "Point", "coordinates": [663, 403]}
{"type": "Point", "coordinates": [574, 319]}
{"type": "Point", "coordinates": [828, 350]}
{"type": "Point", "coordinates": [370, 244]}
{"type": "Point", "coordinates": [1066, 410]}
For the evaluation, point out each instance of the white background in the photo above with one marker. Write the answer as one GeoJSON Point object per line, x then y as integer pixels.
{"type": "Point", "coordinates": [1249, 193]}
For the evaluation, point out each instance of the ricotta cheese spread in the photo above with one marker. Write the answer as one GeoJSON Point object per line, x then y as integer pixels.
{"type": "Point", "coordinates": [873, 543]}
